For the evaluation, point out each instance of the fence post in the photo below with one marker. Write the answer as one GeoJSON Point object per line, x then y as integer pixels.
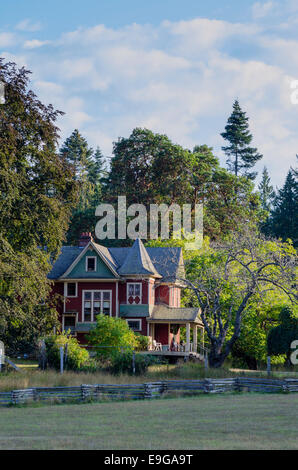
{"type": "Point", "coordinates": [268, 366]}
{"type": "Point", "coordinates": [61, 359]}
{"type": "Point", "coordinates": [65, 355]}
{"type": "Point", "coordinates": [2, 354]}
{"type": "Point", "coordinates": [147, 391]}
{"type": "Point", "coordinates": [237, 386]}
{"type": "Point", "coordinates": [207, 386]}
{"type": "Point", "coordinates": [133, 362]}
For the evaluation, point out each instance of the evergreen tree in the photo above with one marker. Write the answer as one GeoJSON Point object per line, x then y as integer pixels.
{"type": "Point", "coordinates": [77, 152]}
{"type": "Point", "coordinates": [97, 170]}
{"type": "Point", "coordinates": [266, 191]}
{"type": "Point", "coordinates": [89, 170]}
{"type": "Point", "coordinates": [241, 157]}
{"type": "Point", "coordinates": [284, 221]}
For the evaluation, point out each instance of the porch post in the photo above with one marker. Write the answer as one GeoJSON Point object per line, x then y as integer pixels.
{"type": "Point", "coordinates": [187, 349]}
{"type": "Point", "coordinates": [195, 338]}
{"type": "Point", "coordinates": [202, 336]}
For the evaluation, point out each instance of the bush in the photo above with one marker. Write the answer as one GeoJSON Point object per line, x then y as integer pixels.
{"type": "Point", "coordinates": [110, 335]}
{"type": "Point", "coordinates": [77, 357]}
{"type": "Point", "coordinates": [122, 363]}
{"type": "Point", "coordinates": [143, 342]}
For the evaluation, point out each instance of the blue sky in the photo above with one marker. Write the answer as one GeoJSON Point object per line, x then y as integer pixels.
{"type": "Point", "coordinates": [172, 66]}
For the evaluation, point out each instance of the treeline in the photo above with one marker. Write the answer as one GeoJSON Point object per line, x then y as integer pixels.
{"type": "Point", "coordinates": [48, 194]}
{"type": "Point", "coordinates": [148, 168]}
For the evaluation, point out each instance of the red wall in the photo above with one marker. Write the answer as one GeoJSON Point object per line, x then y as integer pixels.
{"type": "Point", "coordinates": [123, 291]}
{"type": "Point", "coordinates": [161, 333]}
{"type": "Point", "coordinates": [75, 303]}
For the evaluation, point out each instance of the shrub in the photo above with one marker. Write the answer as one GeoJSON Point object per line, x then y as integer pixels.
{"type": "Point", "coordinates": [280, 338]}
{"type": "Point", "coordinates": [143, 342]}
{"type": "Point", "coordinates": [110, 336]}
{"type": "Point", "coordinates": [77, 357]}
{"type": "Point", "coordinates": [122, 363]}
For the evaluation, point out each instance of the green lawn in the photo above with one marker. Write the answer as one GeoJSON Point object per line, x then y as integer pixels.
{"type": "Point", "coordinates": [248, 421]}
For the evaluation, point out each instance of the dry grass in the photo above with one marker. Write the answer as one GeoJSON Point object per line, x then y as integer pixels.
{"type": "Point", "coordinates": [248, 421]}
{"type": "Point", "coordinates": [27, 377]}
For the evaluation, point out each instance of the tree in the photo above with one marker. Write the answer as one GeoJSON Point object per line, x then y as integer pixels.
{"type": "Point", "coordinates": [281, 337]}
{"type": "Point", "coordinates": [262, 314]}
{"type": "Point", "coordinates": [37, 193]}
{"type": "Point", "coordinates": [97, 169]}
{"type": "Point", "coordinates": [283, 221]}
{"type": "Point", "coordinates": [241, 157]}
{"type": "Point", "coordinates": [266, 191]}
{"type": "Point", "coordinates": [89, 172]}
{"type": "Point", "coordinates": [36, 184]}
{"type": "Point", "coordinates": [226, 276]}
{"type": "Point", "coordinates": [148, 168]}
{"type": "Point", "coordinates": [111, 335]}
{"type": "Point", "coordinates": [76, 151]}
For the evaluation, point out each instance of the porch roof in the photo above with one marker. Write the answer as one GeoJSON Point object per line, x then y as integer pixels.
{"type": "Point", "coordinates": [163, 313]}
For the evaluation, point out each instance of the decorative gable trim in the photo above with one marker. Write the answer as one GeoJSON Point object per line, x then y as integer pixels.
{"type": "Point", "coordinates": [84, 251]}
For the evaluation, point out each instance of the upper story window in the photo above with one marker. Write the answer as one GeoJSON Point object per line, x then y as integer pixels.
{"type": "Point", "coordinates": [96, 302]}
{"type": "Point", "coordinates": [90, 263]}
{"type": "Point", "coordinates": [70, 289]}
{"type": "Point", "coordinates": [134, 292]}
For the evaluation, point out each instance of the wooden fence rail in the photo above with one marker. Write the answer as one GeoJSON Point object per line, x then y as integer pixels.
{"type": "Point", "coordinates": [149, 390]}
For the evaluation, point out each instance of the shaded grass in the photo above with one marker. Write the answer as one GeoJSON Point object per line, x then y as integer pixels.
{"type": "Point", "coordinates": [249, 421]}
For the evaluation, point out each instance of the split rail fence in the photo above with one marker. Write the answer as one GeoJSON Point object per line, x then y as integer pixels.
{"type": "Point", "coordinates": [147, 390]}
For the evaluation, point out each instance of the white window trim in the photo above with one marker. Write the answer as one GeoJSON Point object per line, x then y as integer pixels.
{"type": "Point", "coordinates": [92, 300]}
{"type": "Point", "coordinates": [95, 264]}
{"type": "Point", "coordinates": [68, 315]}
{"type": "Point", "coordinates": [135, 320]}
{"type": "Point", "coordinates": [127, 290]}
{"type": "Point", "coordinates": [65, 289]}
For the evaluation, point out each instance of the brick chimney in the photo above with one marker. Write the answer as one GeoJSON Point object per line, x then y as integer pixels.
{"type": "Point", "coordinates": [85, 238]}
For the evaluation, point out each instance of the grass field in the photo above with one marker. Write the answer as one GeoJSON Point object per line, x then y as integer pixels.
{"type": "Point", "coordinates": [248, 421]}
{"type": "Point", "coordinates": [29, 377]}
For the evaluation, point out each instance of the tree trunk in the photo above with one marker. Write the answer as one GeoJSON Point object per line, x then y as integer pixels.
{"type": "Point", "coordinates": [216, 356]}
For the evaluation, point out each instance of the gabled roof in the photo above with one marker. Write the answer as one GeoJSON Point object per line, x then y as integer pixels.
{"type": "Point", "coordinates": [67, 256]}
{"type": "Point", "coordinates": [100, 250]}
{"type": "Point", "coordinates": [138, 261]}
{"type": "Point", "coordinates": [161, 262]}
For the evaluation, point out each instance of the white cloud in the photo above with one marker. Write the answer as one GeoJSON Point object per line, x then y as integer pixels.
{"type": "Point", "coordinates": [7, 39]}
{"type": "Point", "coordinates": [34, 43]}
{"type": "Point", "coordinates": [260, 10]}
{"type": "Point", "coordinates": [27, 25]}
{"type": "Point", "coordinates": [179, 78]}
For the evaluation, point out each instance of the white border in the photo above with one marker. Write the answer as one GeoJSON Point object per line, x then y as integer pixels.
{"type": "Point", "coordinates": [65, 289]}
{"type": "Point", "coordinates": [92, 300]}
{"type": "Point", "coordinates": [95, 264]}
{"type": "Point", "coordinates": [141, 293]}
{"type": "Point", "coordinates": [135, 319]}
{"type": "Point", "coordinates": [75, 314]}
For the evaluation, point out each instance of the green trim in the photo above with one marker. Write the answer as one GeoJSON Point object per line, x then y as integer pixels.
{"type": "Point", "coordinates": [134, 311]}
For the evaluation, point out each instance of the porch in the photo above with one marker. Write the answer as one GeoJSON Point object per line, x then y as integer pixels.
{"type": "Point", "coordinates": [164, 332]}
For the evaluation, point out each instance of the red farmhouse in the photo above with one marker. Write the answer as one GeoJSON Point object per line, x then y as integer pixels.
{"type": "Point", "coordinates": [138, 284]}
